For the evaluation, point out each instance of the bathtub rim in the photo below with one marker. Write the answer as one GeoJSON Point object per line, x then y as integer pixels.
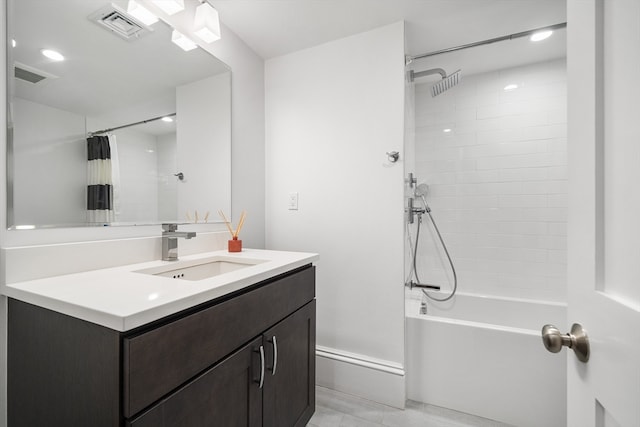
{"type": "Point", "coordinates": [417, 296]}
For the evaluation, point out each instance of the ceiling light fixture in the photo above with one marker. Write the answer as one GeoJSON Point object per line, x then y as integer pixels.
{"type": "Point", "coordinates": [183, 41]}
{"type": "Point", "coordinates": [52, 54]}
{"type": "Point", "coordinates": [510, 87]}
{"type": "Point", "coordinates": [141, 13]}
{"type": "Point", "coordinates": [540, 35]}
{"type": "Point", "coordinates": [447, 130]}
{"type": "Point", "coordinates": [170, 7]}
{"type": "Point", "coordinates": [206, 24]}
{"type": "Point", "coordinates": [13, 43]}
{"type": "Point", "coordinates": [167, 119]}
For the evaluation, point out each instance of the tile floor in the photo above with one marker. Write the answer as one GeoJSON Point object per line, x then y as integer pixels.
{"type": "Point", "coordinates": [335, 409]}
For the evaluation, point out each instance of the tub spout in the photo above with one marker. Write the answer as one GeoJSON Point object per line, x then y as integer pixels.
{"type": "Point", "coordinates": [413, 284]}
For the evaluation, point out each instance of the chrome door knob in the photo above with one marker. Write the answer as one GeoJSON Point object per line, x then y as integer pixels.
{"type": "Point", "coordinates": [577, 339]}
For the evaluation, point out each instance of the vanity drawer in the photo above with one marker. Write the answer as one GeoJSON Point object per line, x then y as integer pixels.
{"type": "Point", "coordinates": [161, 360]}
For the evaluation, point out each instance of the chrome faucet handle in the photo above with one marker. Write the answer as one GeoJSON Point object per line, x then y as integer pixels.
{"type": "Point", "coordinates": [169, 227]}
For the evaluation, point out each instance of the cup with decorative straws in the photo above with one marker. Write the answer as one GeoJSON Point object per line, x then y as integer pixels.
{"type": "Point", "coordinates": [235, 244]}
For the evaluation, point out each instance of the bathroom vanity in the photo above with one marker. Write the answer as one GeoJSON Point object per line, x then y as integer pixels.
{"type": "Point", "coordinates": [233, 349]}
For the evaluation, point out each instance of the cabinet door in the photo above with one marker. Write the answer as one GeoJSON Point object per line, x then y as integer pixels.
{"type": "Point", "coordinates": [226, 395]}
{"type": "Point", "coordinates": [289, 389]}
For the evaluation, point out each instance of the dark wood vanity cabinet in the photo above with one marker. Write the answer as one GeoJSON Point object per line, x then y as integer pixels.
{"type": "Point", "coordinates": [244, 360]}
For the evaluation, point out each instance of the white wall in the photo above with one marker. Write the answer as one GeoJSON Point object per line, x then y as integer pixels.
{"type": "Point", "coordinates": [204, 154]}
{"type": "Point", "coordinates": [498, 182]}
{"type": "Point", "coordinates": [168, 184]}
{"type": "Point", "coordinates": [333, 111]}
{"type": "Point", "coordinates": [50, 165]}
{"type": "Point", "coordinates": [137, 199]}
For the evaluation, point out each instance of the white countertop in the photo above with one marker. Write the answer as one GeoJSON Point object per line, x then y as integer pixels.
{"type": "Point", "coordinates": [122, 299]}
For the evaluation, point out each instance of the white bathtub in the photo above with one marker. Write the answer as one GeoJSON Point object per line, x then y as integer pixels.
{"type": "Point", "coordinates": [484, 356]}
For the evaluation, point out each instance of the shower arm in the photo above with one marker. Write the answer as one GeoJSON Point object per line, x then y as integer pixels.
{"type": "Point", "coordinates": [413, 75]}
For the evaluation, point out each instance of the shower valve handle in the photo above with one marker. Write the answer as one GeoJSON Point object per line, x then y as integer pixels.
{"type": "Point", "coordinates": [577, 339]}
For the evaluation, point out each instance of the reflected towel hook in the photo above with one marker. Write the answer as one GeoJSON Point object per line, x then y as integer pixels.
{"type": "Point", "coordinates": [180, 175]}
{"type": "Point", "coordinates": [393, 156]}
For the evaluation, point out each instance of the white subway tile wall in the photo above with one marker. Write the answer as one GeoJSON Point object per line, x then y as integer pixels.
{"type": "Point", "coordinates": [497, 181]}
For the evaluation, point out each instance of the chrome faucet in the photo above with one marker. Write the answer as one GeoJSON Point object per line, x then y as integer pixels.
{"type": "Point", "coordinates": [170, 236]}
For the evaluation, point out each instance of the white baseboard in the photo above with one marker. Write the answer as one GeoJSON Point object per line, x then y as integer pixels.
{"type": "Point", "coordinates": [373, 379]}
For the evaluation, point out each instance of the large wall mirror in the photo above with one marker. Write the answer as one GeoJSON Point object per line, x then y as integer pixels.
{"type": "Point", "coordinates": [127, 129]}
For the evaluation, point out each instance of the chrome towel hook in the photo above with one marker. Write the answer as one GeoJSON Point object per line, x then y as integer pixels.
{"type": "Point", "coordinates": [393, 156]}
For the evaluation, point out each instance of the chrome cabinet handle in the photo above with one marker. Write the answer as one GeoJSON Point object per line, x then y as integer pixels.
{"type": "Point", "coordinates": [275, 355]}
{"type": "Point", "coordinates": [261, 381]}
{"type": "Point", "coordinates": [577, 339]}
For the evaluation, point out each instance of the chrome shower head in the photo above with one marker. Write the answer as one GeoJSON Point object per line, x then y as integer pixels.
{"type": "Point", "coordinates": [446, 83]}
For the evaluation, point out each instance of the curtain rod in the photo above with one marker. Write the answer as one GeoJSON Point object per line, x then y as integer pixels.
{"type": "Point", "coordinates": [409, 58]}
{"type": "Point", "coordinates": [97, 132]}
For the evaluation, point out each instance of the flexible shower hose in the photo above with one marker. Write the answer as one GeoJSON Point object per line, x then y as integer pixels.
{"type": "Point", "coordinates": [444, 246]}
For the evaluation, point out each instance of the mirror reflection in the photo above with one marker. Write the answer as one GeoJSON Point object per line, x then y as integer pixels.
{"type": "Point", "coordinates": [126, 128]}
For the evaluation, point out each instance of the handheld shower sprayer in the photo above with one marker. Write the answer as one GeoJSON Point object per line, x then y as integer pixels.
{"type": "Point", "coordinates": [422, 190]}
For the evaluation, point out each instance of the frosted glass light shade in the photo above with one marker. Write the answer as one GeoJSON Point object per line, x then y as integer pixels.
{"type": "Point", "coordinates": [170, 7]}
{"type": "Point", "coordinates": [141, 13]}
{"type": "Point", "coordinates": [184, 42]}
{"type": "Point", "coordinates": [206, 24]}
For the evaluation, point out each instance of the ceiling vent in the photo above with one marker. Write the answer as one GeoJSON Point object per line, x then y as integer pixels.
{"type": "Point", "coordinates": [30, 74]}
{"type": "Point", "coordinates": [119, 22]}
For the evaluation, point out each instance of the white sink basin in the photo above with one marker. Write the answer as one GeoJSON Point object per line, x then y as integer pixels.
{"type": "Point", "coordinates": [202, 268]}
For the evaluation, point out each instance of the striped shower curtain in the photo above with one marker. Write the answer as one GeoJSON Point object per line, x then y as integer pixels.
{"type": "Point", "coordinates": [102, 175]}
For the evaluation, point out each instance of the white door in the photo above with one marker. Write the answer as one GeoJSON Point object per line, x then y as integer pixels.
{"type": "Point", "coordinates": [603, 55]}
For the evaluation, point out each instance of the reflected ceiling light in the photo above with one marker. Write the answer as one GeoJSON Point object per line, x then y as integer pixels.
{"type": "Point", "coordinates": [25, 227]}
{"type": "Point", "coordinates": [510, 87]}
{"type": "Point", "coordinates": [167, 119]}
{"type": "Point", "coordinates": [52, 54]}
{"type": "Point", "coordinates": [170, 7]}
{"type": "Point", "coordinates": [206, 24]}
{"type": "Point", "coordinates": [183, 41]}
{"type": "Point", "coordinates": [13, 43]}
{"type": "Point", "coordinates": [540, 35]}
{"type": "Point", "coordinates": [446, 130]}
{"type": "Point", "coordinates": [141, 13]}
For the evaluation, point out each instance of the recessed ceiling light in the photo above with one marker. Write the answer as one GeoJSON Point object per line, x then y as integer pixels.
{"type": "Point", "coordinates": [170, 7]}
{"type": "Point", "coordinates": [52, 54]}
{"type": "Point", "coordinates": [141, 13]}
{"type": "Point", "coordinates": [446, 130]}
{"type": "Point", "coordinates": [167, 119]}
{"type": "Point", "coordinates": [510, 87]}
{"type": "Point", "coordinates": [540, 35]}
{"type": "Point", "coordinates": [183, 41]}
